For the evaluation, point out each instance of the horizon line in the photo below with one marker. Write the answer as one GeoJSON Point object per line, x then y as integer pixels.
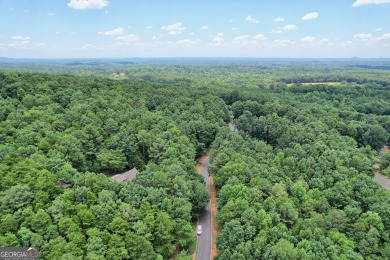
{"type": "Point", "coordinates": [200, 57]}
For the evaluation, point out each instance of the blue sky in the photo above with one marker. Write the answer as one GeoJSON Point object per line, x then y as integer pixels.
{"type": "Point", "coordinates": [186, 28]}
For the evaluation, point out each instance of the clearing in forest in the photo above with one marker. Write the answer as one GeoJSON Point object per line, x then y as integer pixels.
{"type": "Point", "coordinates": [332, 83]}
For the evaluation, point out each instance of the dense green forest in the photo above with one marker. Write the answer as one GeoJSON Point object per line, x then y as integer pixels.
{"type": "Point", "coordinates": [295, 182]}
{"type": "Point", "coordinates": [76, 130]}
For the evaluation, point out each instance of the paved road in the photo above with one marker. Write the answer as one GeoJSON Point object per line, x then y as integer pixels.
{"type": "Point", "coordinates": [384, 181]}
{"type": "Point", "coordinates": [203, 247]}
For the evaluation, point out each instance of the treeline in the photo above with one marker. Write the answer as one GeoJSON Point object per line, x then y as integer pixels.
{"type": "Point", "coordinates": [354, 77]}
{"type": "Point", "coordinates": [77, 131]}
{"type": "Point", "coordinates": [296, 181]}
{"type": "Point", "coordinates": [225, 73]}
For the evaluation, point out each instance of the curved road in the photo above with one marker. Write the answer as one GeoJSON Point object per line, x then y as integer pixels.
{"type": "Point", "coordinates": [203, 247]}
{"type": "Point", "coordinates": [382, 180]}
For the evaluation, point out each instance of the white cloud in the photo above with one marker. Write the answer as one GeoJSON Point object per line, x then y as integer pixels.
{"type": "Point", "coordinates": [150, 27]}
{"type": "Point", "coordinates": [88, 46]}
{"type": "Point", "coordinates": [250, 19]}
{"type": "Point", "coordinates": [88, 4]}
{"type": "Point", "coordinates": [259, 37]}
{"type": "Point", "coordinates": [218, 39]}
{"type": "Point", "coordinates": [128, 38]}
{"type": "Point", "coordinates": [235, 28]}
{"type": "Point", "coordinates": [188, 42]}
{"type": "Point", "coordinates": [18, 37]}
{"type": "Point", "coordinates": [386, 36]}
{"type": "Point", "coordinates": [324, 40]}
{"type": "Point", "coordinates": [378, 29]}
{"type": "Point", "coordinates": [20, 43]}
{"type": "Point", "coordinates": [277, 31]}
{"type": "Point", "coordinates": [174, 32]}
{"type": "Point", "coordinates": [363, 36]}
{"type": "Point", "coordinates": [73, 33]}
{"type": "Point", "coordinates": [220, 34]}
{"type": "Point", "coordinates": [307, 39]}
{"type": "Point", "coordinates": [279, 19]}
{"type": "Point", "coordinates": [281, 42]}
{"type": "Point", "coordinates": [368, 2]}
{"type": "Point", "coordinates": [115, 31]}
{"type": "Point", "coordinates": [289, 27]}
{"type": "Point", "coordinates": [244, 40]}
{"type": "Point", "coordinates": [173, 29]}
{"type": "Point", "coordinates": [367, 37]}
{"type": "Point", "coordinates": [204, 27]}
{"type": "Point", "coordinates": [241, 38]}
{"type": "Point", "coordinates": [310, 16]}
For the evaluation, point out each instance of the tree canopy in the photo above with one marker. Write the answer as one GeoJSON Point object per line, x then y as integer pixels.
{"type": "Point", "coordinates": [294, 182]}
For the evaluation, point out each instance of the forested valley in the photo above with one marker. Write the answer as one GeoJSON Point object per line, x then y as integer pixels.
{"type": "Point", "coordinates": [295, 181]}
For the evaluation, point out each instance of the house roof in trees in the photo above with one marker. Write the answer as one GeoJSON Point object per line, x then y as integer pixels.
{"type": "Point", "coordinates": [126, 176]}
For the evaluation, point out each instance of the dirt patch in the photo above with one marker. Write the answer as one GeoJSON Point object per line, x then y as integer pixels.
{"type": "Point", "coordinates": [215, 231]}
{"type": "Point", "coordinates": [176, 253]}
{"type": "Point", "coordinates": [332, 83]}
{"type": "Point", "coordinates": [200, 161]}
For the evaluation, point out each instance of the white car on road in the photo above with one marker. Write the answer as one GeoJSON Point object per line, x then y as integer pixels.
{"type": "Point", "coordinates": [199, 230]}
